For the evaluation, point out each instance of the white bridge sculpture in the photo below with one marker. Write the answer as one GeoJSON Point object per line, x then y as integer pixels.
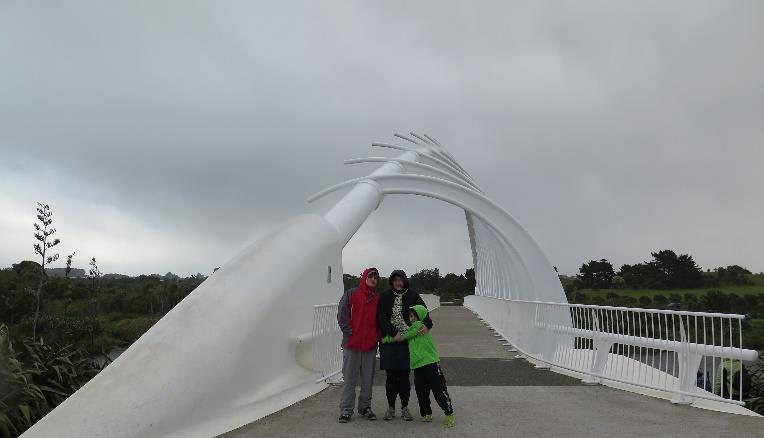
{"type": "Point", "coordinates": [257, 336]}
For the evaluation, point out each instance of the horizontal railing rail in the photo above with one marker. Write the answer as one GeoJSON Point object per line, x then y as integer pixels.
{"type": "Point", "coordinates": [643, 310]}
{"type": "Point", "coordinates": [692, 355]}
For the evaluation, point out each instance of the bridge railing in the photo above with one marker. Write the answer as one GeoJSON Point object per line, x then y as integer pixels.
{"type": "Point", "coordinates": [684, 354]}
{"type": "Point", "coordinates": [327, 341]}
{"type": "Point", "coordinates": [431, 301]}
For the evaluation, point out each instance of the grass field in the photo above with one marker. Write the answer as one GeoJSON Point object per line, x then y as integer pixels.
{"type": "Point", "coordinates": [754, 289]}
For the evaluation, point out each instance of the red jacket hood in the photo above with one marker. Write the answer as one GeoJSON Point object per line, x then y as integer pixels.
{"type": "Point", "coordinates": [362, 283]}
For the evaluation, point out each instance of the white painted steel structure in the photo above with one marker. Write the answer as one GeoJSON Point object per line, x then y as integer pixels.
{"type": "Point", "coordinates": [656, 352]}
{"type": "Point", "coordinates": [247, 342]}
{"type": "Point", "coordinates": [326, 345]}
{"type": "Point", "coordinates": [431, 301]}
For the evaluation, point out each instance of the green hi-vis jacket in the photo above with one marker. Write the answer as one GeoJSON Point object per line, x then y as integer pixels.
{"type": "Point", "coordinates": [422, 349]}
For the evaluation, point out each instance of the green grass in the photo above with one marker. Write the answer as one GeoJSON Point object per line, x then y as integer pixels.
{"type": "Point", "coordinates": [752, 289]}
{"type": "Point", "coordinates": [129, 330]}
{"type": "Point", "coordinates": [637, 293]}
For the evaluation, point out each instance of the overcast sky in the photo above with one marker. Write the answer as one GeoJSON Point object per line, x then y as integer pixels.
{"type": "Point", "coordinates": [167, 135]}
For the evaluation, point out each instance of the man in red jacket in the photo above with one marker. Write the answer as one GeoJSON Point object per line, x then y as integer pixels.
{"type": "Point", "coordinates": [357, 317]}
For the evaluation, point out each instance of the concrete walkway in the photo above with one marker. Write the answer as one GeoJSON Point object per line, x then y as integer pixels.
{"type": "Point", "coordinates": [497, 395]}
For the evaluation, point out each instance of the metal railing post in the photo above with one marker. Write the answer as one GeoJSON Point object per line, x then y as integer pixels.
{"type": "Point", "coordinates": [688, 368]}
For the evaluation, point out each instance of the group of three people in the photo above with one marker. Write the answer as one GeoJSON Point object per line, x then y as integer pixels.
{"type": "Point", "coordinates": [397, 322]}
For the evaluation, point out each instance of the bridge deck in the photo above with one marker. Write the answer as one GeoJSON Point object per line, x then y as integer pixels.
{"type": "Point", "coordinates": [496, 394]}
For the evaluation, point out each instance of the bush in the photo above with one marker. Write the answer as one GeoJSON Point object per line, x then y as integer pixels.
{"type": "Point", "coordinates": [645, 301]}
{"type": "Point", "coordinates": [129, 330]}
{"type": "Point", "coordinates": [755, 402]}
{"type": "Point", "coordinates": [36, 379]}
{"type": "Point", "coordinates": [71, 329]}
{"type": "Point", "coordinates": [716, 301]}
{"type": "Point", "coordinates": [628, 301]}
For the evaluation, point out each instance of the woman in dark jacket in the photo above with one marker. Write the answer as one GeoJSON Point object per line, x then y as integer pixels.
{"type": "Point", "coordinates": [392, 311]}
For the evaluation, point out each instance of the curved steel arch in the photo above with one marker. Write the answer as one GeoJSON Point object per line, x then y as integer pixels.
{"type": "Point", "coordinates": [542, 279]}
{"type": "Point", "coordinates": [508, 263]}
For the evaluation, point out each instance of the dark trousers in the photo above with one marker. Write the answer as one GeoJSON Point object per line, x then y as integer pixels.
{"type": "Point", "coordinates": [398, 383]}
{"type": "Point", "coordinates": [430, 378]}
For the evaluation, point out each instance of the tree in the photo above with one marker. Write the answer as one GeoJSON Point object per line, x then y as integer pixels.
{"type": "Point", "coordinates": [17, 286]}
{"type": "Point", "coordinates": [169, 276]}
{"type": "Point", "coordinates": [94, 274]}
{"type": "Point", "coordinates": [677, 271]}
{"type": "Point", "coordinates": [469, 274]}
{"type": "Point", "coordinates": [687, 273]}
{"type": "Point", "coordinates": [426, 280]}
{"type": "Point", "coordinates": [618, 282]}
{"type": "Point", "coordinates": [596, 274]}
{"type": "Point", "coordinates": [667, 270]}
{"type": "Point", "coordinates": [640, 275]}
{"type": "Point", "coordinates": [44, 231]}
{"type": "Point", "coordinates": [68, 264]}
{"type": "Point", "coordinates": [734, 275]}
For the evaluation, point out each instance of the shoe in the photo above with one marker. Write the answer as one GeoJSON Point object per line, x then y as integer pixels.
{"type": "Point", "coordinates": [389, 414]}
{"type": "Point", "coordinates": [344, 418]}
{"type": "Point", "coordinates": [368, 413]}
{"type": "Point", "coordinates": [449, 421]}
{"type": "Point", "coordinates": [405, 414]}
{"type": "Point", "coordinates": [427, 419]}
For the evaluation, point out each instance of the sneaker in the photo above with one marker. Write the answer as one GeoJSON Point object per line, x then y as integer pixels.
{"type": "Point", "coordinates": [369, 414]}
{"type": "Point", "coordinates": [389, 414]}
{"type": "Point", "coordinates": [405, 414]}
{"type": "Point", "coordinates": [344, 418]}
{"type": "Point", "coordinates": [449, 421]}
{"type": "Point", "coordinates": [427, 419]}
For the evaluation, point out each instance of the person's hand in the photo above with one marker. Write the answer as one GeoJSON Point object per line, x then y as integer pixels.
{"type": "Point", "coordinates": [423, 330]}
{"type": "Point", "coordinates": [397, 337]}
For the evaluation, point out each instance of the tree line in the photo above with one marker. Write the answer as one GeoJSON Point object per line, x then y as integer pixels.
{"type": "Point", "coordinates": [666, 270]}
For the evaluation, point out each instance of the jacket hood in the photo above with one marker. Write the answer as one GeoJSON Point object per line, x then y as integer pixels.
{"type": "Point", "coordinates": [362, 282]}
{"type": "Point", "coordinates": [420, 310]}
{"type": "Point", "coordinates": [398, 273]}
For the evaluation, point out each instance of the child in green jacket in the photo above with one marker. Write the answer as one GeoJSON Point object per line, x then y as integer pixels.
{"type": "Point", "coordinates": [424, 360]}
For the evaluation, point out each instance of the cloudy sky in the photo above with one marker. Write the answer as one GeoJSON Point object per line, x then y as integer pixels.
{"type": "Point", "coordinates": [167, 135]}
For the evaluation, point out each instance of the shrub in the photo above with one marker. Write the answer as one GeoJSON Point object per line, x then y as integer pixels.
{"type": "Point", "coordinates": [129, 330]}
{"type": "Point", "coordinates": [36, 379]}
{"type": "Point", "coordinates": [755, 402]}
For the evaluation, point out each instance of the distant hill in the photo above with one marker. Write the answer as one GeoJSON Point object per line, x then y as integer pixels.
{"type": "Point", "coordinates": [61, 272]}
{"type": "Point", "coordinates": [115, 276]}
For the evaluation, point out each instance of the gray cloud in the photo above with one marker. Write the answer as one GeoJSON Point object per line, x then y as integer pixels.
{"type": "Point", "coordinates": [168, 135]}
